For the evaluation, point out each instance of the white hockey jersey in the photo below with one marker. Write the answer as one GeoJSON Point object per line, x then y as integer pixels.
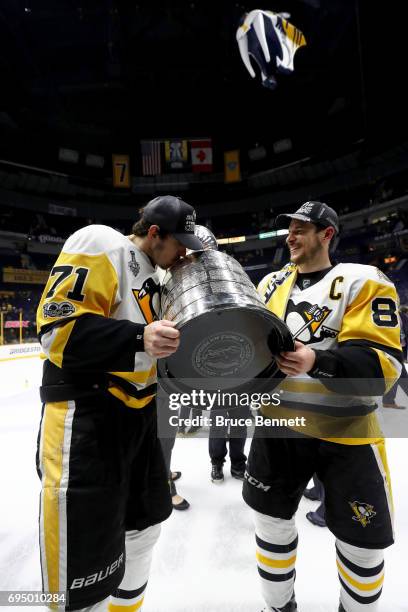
{"type": "Point", "coordinates": [349, 317]}
{"type": "Point", "coordinates": [101, 292]}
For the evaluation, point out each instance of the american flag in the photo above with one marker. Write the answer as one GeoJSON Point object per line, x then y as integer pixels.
{"type": "Point", "coordinates": [151, 159]}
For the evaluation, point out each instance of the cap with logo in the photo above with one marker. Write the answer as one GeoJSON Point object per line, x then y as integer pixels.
{"type": "Point", "coordinates": [175, 216]}
{"type": "Point", "coordinates": [313, 212]}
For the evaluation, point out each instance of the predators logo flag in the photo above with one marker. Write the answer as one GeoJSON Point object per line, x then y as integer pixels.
{"type": "Point", "coordinates": [232, 170]}
{"type": "Point", "coordinates": [271, 42]}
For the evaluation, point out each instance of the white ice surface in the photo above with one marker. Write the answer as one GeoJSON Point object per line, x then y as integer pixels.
{"type": "Point", "coordinates": [205, 558]}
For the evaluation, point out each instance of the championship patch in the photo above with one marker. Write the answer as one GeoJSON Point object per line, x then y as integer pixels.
{"type": "Point", "coordinates": [133, 265]}
{"type": "Point", "coordinates": [276, 281]}
{"type": "Point", "coordinates": [363, 513]}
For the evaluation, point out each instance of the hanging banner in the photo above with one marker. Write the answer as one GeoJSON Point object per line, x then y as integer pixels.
{"type": "Point", "coordinates": [151, 157]}
{"type": "Point", "coordinates": [232, 171]}
{"type": "Point", "coordinates": [176, 154]}
{"type": "Point", "coordinates": [201, 155]}
{"type": "Point", "coordinates": [121, 171]}
{"type": "Point", "coordinates": [20, 275]}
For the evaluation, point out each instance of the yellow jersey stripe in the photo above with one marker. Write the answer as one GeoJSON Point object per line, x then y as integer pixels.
{"type": "Point", "coordinates": [138, 377]}
{"type": "Point", "coordinates": [60, 342]}
{"type": "Point", "coordinates": [361, 586]}
{"type": "Point", "coordinates": [52, 458]}
{"type": "Point", "coordinates": [128, 400]}
{"type": "Point", "coordinates": [380, 454]}
{"type": "Point", "coordinates": [389, 371]}
{"type": "Point", "coordinates": [278, 563]}
{"type": "Point", "coordinates": [121, 608]}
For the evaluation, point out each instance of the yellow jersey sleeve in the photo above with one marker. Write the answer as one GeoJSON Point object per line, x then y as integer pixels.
{"type": "Point", "coordinates": [74, 316]}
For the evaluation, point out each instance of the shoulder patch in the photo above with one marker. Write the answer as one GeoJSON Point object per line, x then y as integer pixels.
{"type": "Point", "coordinates": [277, 279]}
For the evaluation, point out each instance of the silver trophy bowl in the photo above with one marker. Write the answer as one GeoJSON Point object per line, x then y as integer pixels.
{"type": "Point", "coordinates": [227, 333]}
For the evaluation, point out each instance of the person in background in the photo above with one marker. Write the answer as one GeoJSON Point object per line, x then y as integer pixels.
{"type": "Point", "coordinates": [220, 443]}
{"type": "Point", "coordinates": [389, 399]}
{"type": "Point", "coordinates": [316, 493]}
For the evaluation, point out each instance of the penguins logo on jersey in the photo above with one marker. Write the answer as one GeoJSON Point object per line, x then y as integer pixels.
{"type": "Point", "coordinates": [148, 299]}
{"type": "Point", "coordinates": [363, 513]}
{"type": "Point", "coordinates": [306, 322]}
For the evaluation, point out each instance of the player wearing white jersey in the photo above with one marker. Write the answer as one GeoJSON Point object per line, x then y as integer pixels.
{"type": "Point", "coordinates": [344, 319]}
{"type": "Point", "coordinates": [104, 485]}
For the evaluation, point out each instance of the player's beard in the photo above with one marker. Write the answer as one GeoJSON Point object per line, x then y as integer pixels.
{"type": "Point", "coordinates": [309, 255]}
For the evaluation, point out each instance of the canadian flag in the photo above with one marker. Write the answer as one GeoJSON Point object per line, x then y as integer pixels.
{"type": "Point", "coordinates": [201, 156]}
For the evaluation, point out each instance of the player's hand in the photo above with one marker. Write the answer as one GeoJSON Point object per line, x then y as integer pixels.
{"type": "Point", "coordinates": [299, 361]}
{"type": "Point", "coordinates": [161, 339]}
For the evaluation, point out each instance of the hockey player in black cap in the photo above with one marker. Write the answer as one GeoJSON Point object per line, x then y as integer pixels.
{"type": "Point", "coordinates": [104, 482]}
{"type": "Point", "coordinates": [347, 351]}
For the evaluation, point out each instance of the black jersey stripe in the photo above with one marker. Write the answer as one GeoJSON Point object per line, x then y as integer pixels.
{"type": "Point", "coordinates": [275, 577]}
{"type": "Point", "coordinates": [124, 594]}
{"type": "Point", "coordinates": [364, 572]}
{"type": "Point", "coordinates": [277, 548]}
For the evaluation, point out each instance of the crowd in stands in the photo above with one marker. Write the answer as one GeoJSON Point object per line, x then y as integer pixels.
{"type": "Point", "coordinates": [35, 224]}
{"type": "Point", "coordinates": [15, 306]}
{"type": "Point", "coordinates": [381, 244]}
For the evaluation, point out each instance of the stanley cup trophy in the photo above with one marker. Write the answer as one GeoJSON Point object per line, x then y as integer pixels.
{"type": "Point", "coordinates": [228, 337]}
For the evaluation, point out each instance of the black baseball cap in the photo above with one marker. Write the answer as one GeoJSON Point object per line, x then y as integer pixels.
{"type": "Point", "coordinates": [314, 212]}
{"type": "Point", "coordinates": [175, 216]}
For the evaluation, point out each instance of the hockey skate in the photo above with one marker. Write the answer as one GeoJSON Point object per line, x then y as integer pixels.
{"type": "Point", "coordinates": [291, 606]}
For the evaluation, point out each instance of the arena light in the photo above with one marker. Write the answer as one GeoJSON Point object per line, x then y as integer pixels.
{"type": "Point", "coordinates": [257, 153]}
{"type": "Point", "coordinates": [267, 235]}
{"type": "Point", "coordinates": [94, 161]}
{"type": "Point", "coordinates": [281, 146]}
{"type": "Point", "coordinates": [232, 240]}
{"type": "Point", "coordinates": [68, 155]}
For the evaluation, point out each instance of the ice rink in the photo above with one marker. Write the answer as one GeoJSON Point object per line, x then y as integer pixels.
{"type": "Point", "coordinates": [205, 558]}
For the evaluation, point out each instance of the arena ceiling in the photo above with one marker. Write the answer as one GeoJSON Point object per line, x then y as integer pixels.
{"type": "Point", "coordinates": [102, 74]}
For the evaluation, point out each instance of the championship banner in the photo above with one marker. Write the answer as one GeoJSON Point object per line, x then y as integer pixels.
{"type": "Point", "coordinates": [201, 155]}
{"type": "Point", "coordinates": [121, 171]}
{"type": "Point", "coordinates": [176, 154]}
{"type": "Point", "coordinates": [232, 171]}
{"type": "Point", "coordinates": [30, 277]}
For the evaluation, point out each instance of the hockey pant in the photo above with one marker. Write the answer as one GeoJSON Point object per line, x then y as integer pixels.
{"type": "Point", "coordinates": [130, 593]}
